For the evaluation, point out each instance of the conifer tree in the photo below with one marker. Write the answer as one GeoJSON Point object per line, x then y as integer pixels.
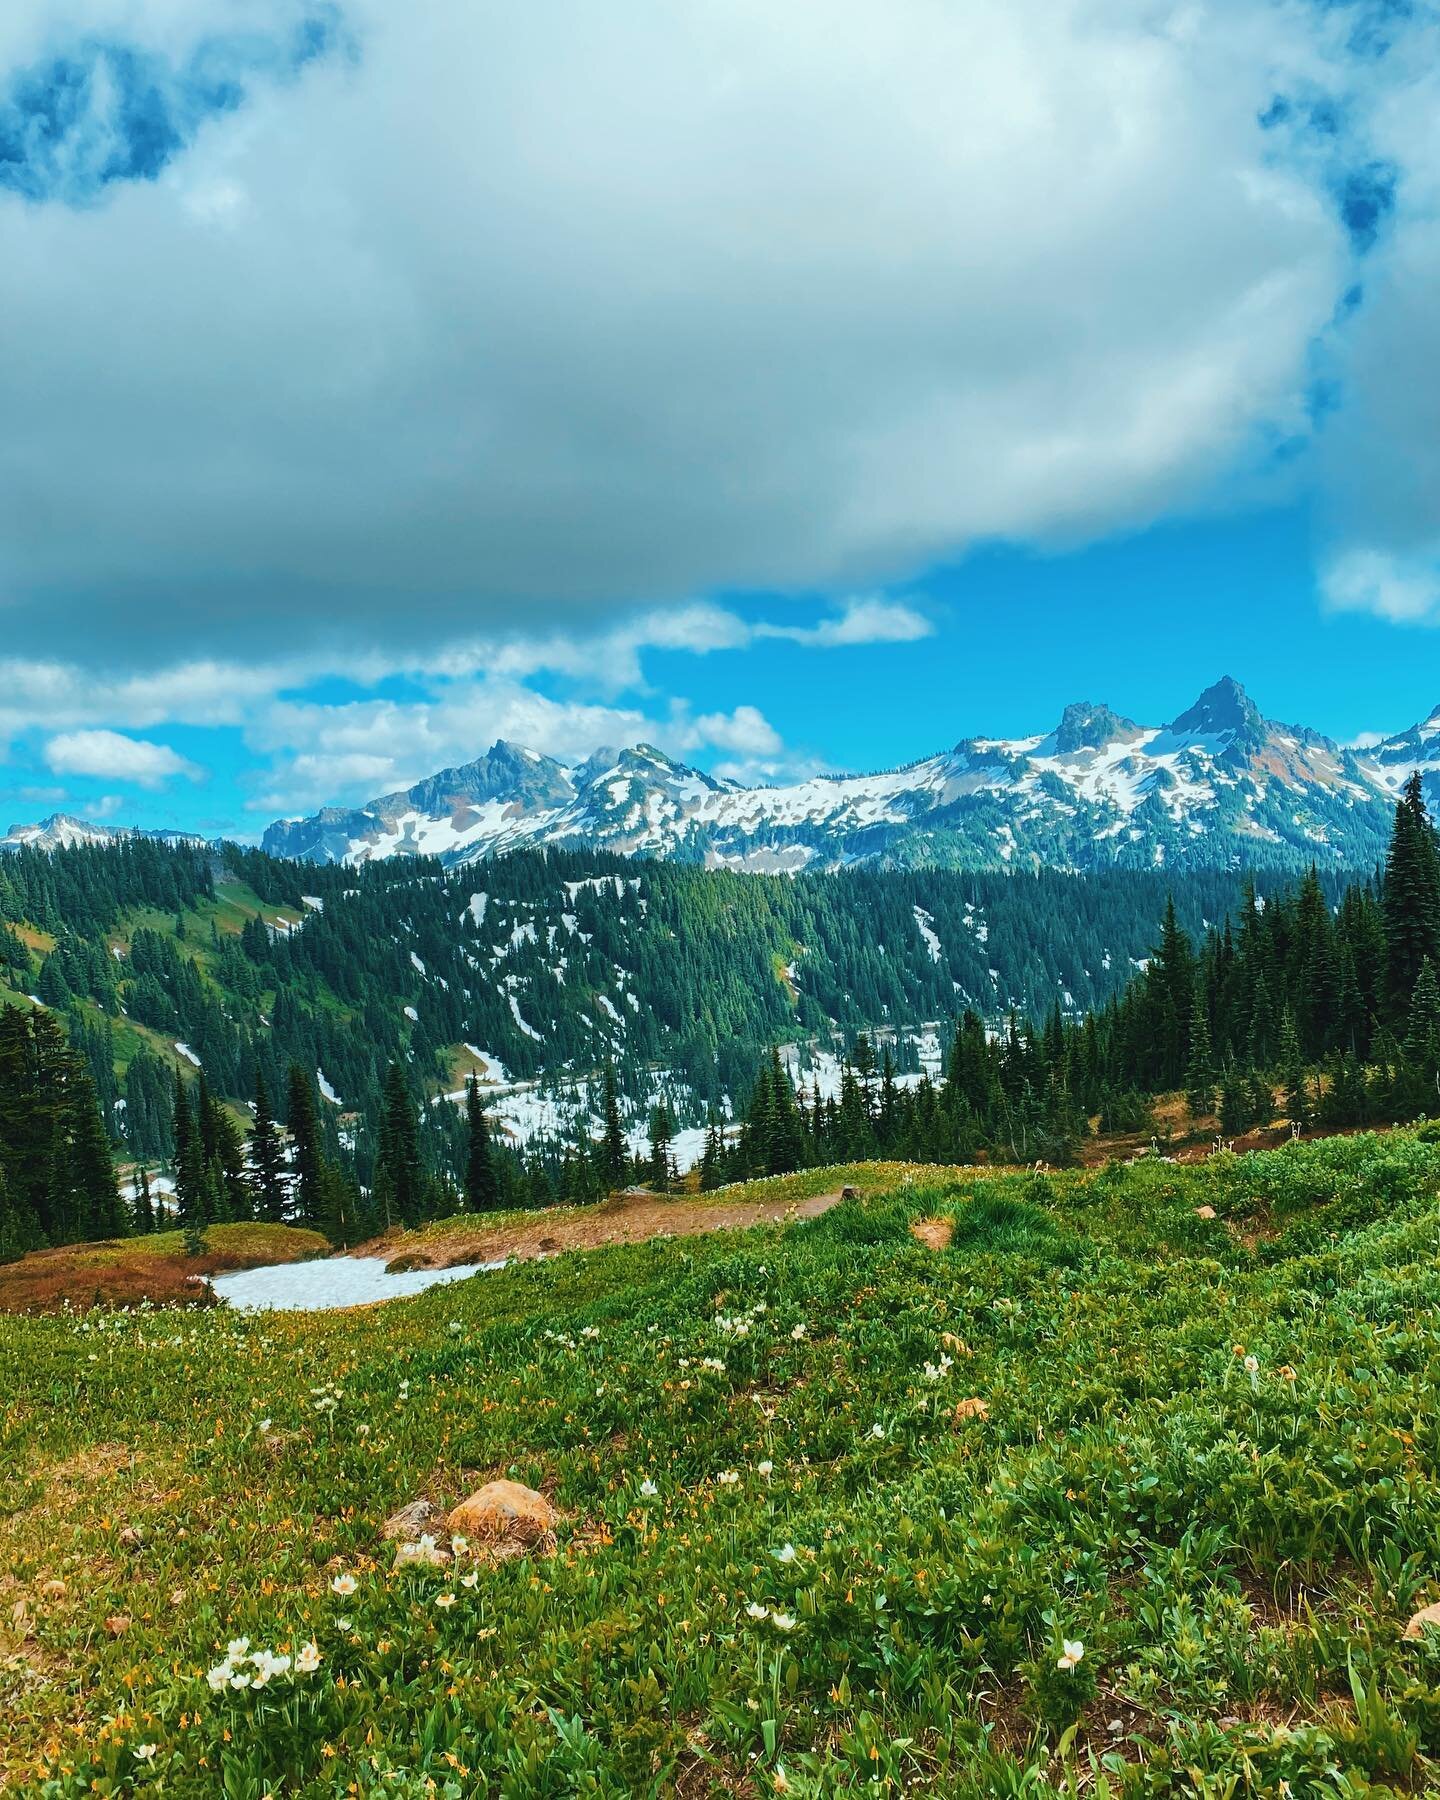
{"type": "Point", "coordinates": [267, 1157]}
{"type": "Point", "coordinates": [615, 1158]}
{"type": "Point", "coordinates": [1411, 896]}
{"type": "Point", "coordinates": [482, 1186]}
{"type": "Point", "coordinates": [306, 1155]}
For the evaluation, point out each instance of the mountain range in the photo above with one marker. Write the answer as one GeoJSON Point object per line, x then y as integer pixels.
{"type": "Point", "coordinates": [1220, 786]}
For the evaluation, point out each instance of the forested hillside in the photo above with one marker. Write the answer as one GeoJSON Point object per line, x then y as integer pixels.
{"type": "Point", "coordinates": [544, 962]}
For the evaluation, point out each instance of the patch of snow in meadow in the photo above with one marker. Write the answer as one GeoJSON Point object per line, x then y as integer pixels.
{"type": "Point", "coordinates": [332, 1281]}
{"type": "Point", "coordinates": [188, 1054]}
{"type": "Point", "coordinates": [326, 1090]}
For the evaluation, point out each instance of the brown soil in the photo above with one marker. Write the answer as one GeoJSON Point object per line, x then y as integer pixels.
{"type": "Point", "coordinates": [631, 1218]}
{"type": "Point", "coordinates": [934, 1234]}
{"type": "Point", "coordinates": [123, 1272]}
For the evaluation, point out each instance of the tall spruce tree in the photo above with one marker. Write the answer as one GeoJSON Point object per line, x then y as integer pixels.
{"type": "Point", "coordinates": [1410, 899]}
{"type": "Point", "coordinates": [482, 1184]}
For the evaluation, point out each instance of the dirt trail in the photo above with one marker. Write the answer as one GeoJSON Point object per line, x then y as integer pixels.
{"type": "Point", "coordinates": [631, 1218]}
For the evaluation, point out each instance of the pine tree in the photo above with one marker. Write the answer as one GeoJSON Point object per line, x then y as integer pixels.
{"type": "Point", "coordinates": [1200, 1074]}
{"type": "Point", "coordinates": [482, 1187]}
{"type": "Point", "coordinates": [399, 1180]}
{"type": "Point", "coordinates": [267, 1157]}
{"type": "Point", "coordinates": [1411, 897]}
{"type": "Point", "coordinates": [306, 1155]}
{"type": "Point", "coordinates": [615, 1160]}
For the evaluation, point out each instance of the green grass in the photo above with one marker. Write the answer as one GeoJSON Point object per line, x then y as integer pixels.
{"type": "Point", "coordinates": [1237, 1545]}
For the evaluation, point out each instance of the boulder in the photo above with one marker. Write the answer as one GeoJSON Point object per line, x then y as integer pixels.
{"type": "Point", "coordinates": [973, 1408]}
{"type": "Point", "coordinates": [505, 1518]}
{"type": "Point", "coordinates": [1204, 1212]}
{"type": "Point", "coordinates": [1427, 1615]}
{"type": "Point", "coordinates": [411, 1521]}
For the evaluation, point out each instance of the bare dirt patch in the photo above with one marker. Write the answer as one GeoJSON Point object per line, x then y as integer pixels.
{"type": "Point", "coordinates": [934, 1234]}
{"type": "Point", "coordinates": [631, 1218]}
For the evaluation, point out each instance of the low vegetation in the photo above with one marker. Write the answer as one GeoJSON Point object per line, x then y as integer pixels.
{"type": "Point", "coordinates": [166, 1268]}
{"type": "Point", "coordinates": [1102, 1494]}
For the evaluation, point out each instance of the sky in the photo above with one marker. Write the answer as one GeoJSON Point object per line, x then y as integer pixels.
{"type": "Point", "coordinates": [798, 390]}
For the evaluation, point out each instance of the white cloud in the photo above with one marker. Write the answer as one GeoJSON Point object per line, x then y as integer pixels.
{"type": "Point", "coordinates": [528, 307]}
{"type": "Point", "coordinates": [115, 757]}
{"type": "Point", "coordinates": [1404, 589]}
{"type": "Point", "coordinates": [863, 621]}
{"type": "Point", "coordinates": [745, 731]}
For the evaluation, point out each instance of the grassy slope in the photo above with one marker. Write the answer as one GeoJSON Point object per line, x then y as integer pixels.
{"type": "Point", "coordinates": [126, 1271]}
{"type": "Point", "coordinates": [1238, 1554]}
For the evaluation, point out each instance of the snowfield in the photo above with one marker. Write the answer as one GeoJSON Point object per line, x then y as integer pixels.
{"type": "Point", "coordinates": [331, 1282]}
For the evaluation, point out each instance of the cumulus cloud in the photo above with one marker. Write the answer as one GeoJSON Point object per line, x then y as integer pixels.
{"type": "Point", "coordinates": [117, 758]}
{"type": "Point", "coordinates": [492, 311]}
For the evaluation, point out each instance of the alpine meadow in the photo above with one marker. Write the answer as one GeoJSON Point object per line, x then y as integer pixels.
{"type": "Point", "coordinates": [719, 900]}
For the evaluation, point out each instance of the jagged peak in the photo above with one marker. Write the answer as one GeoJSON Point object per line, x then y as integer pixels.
{"type": "Point", "coordinates": [1086, 726]}
{"type": "Point", "coordinates": [1223, 707]}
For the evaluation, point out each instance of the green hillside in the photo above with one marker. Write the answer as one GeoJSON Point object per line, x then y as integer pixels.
{"type": "Point", "coordinates": [550, 963]}
{"type": "Point", "coordinates": [1106, 1495]}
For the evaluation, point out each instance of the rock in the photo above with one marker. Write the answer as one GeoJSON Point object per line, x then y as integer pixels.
{"type": "Point", "coordinates": [506, 1519]}
{"type": "Point", "coordinates": [117, 1624]}
{"type": "Point", "coordinates": [54, 1589]}
{"type": "Point", "coordinates": [1204, 1212]}
{"type": "Point", "coordinates": [973, 1408]}
{"type": "Point", "coordinates": [849, 1193]}
{"type": "Point", "coordinates": [276, 1443]}
{"type": "Point", "coordinates": [424, 1553]}
{"type": "Point", "coordinates": [411, 1522]}
{"type": "Point", "coordinates": [129, 1538]}
{"type": "Point", "coordinates": [1427, 1615]}
{"type": "Point", "coordinates": [934, 1234]}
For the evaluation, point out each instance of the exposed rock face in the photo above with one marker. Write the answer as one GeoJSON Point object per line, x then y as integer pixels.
{"type": "Point", "coordinates": [506, 1518]}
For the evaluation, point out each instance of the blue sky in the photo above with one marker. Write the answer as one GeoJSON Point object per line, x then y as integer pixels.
{"type": "Point", "coordinates": [795, 400]}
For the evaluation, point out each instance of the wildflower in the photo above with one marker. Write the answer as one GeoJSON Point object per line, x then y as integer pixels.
{"type": "Point", "coordinates": [307, 1659]}
{"type": "Point", "coordinates": [1071, 1650]}
{"type": "Point", "coordinates": [239, 1679]}
{"type": "Point", "coordinates": [728, 1478]}
{"type": "Point", "coordinates": [797, 1332]}
{"type": "Point", "coordinates": [472, 1580]}
{"type": "Point", "coordinates": [712, 1362]}
{"type": "Point", "coordinates": [344, 1585]}
{"type": "Point", "coordinates": [237, 1649]}
{"type": "Point", "coordinates": [590, 1331]}
{"type": "Point", "coordinates": [459, 1544]}
{"type": "Point", "coordinates": [782, 1621]}
{"type": "Point", "coordinates": [145, 1752]}
{"type": "Point", "coordinates": [648, 1489]}
{"type": "Point", "coordinates": [877, 1430]}
{"type": "Point", "coordinates": [218, 1676]}
{"type": "Point", "coordinates": [1252, 1365]}
{"type": "Point", "coordinates": [934, 1371]}
{"type": "Point", "coordinates": [756, 1611]}
{"type": "Point", "coordinates": [765, 1469]}
{"type": "Point", "coordinates": [782, 1785]}
{"type": "Point", "coordinates": [785, 1554]}
{"type": "Point", "coordinates": [445, 1601]}
{"type": "Point", "coordinates": [264, 1425]}
{"type": "Point", "coordinates": [456, 1328]}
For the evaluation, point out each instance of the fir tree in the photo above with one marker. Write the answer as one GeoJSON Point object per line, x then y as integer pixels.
{"type": "Point", "coordinates": [482, 1187]}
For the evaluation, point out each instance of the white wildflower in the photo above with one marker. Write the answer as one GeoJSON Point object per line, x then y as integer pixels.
{"type": "Point", "coordinates": [344, 1585]}
{"type": "Point", "coordinates": [1071, 1651]}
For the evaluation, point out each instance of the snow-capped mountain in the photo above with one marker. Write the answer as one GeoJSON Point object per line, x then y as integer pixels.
{"type": "Point", "coordinates": [62, 831]}
{"type": "Point", "coordinates": [1220, 785]}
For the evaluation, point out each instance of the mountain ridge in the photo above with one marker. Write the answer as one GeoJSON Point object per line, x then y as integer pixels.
{"type": "Point", "coordinates": [1218, 786]}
